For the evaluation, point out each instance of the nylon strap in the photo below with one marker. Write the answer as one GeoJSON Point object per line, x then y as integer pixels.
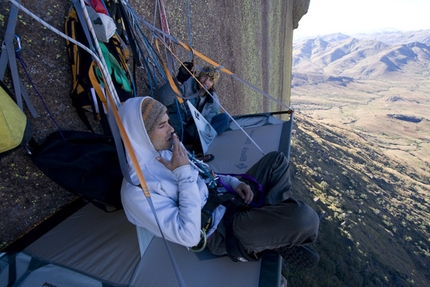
{"type": "Point", "coordinates": [81, 20]}
{"type": "Point", "coordinates": [165, 28]}
{"type": "Point", "coordinates": [203, 57]}
{"type": "Point", "coordinates": [8, 56]}
{"type": "Point", "coordinates": [119, 146]}
{"type": "Point", "coordinates": [92, 74]}
{"type": "Point", "coordinates": [169, 76]}
{"type": "Point", "coordinates": [212, 203]}
{"type": "Point", "coordinates": [260, 192]}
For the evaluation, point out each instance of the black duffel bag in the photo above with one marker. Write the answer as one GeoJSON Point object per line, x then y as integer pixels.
{"type": "Point", "coordinates": [84, 163]}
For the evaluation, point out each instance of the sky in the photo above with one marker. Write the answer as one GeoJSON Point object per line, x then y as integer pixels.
{"type": "Point", "coordinates": [363, 16]}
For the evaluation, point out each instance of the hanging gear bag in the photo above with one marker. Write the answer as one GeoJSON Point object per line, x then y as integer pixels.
{"type": "Point", "coordinates": [84, 163]}
{"type": "Point", "coordinates": [15, 129]}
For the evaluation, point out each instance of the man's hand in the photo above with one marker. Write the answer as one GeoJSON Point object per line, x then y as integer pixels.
{"type": "Point", "coordinates": [245, 192]}
{"type": "Point", "coordinates": [179, 155]}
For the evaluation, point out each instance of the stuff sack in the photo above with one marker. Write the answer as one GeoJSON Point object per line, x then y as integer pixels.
{"type": "Point", "coordinates": [84, 163]}
{"type": "Point", "coordinates": [15, 129]}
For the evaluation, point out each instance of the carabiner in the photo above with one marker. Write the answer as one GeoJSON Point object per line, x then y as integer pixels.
{"type": "Point", "coordinates": [202, 244]}
{"type": "Point", "coordinates": [18, 41]}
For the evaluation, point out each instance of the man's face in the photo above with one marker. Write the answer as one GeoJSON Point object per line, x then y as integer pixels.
{"type": "Point", "coordinates": [161, 136]}
{"type": "Point", "coordinates": [208, 82]}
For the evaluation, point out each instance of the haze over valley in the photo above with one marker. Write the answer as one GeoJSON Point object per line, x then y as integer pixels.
{"type": "Point", "coordinates": [360, 151]}
{"type": "Point", "coordinates": [377, 85]}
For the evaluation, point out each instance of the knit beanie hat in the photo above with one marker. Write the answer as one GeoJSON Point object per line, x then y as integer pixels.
{"type": "Point", "coordinates": [152, 112]}
{"type": "Point", "coordinates": [210, 72]}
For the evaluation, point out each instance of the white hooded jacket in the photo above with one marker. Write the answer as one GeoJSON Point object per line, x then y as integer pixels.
{"type": "Point", "coordinates": [177, 195]}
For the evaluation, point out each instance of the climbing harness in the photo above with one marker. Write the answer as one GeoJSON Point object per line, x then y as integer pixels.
{"type": "Point", "coordinates": [228, 199]}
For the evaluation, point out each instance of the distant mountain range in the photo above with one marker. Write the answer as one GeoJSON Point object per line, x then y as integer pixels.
{"type": "Point", "coordinates": [388, 37]}
{"type": "Point", "coordinates": [343, 58]}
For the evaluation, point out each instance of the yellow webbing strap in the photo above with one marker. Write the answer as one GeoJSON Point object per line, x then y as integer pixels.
{"type": "Point", "coordinates": [126, 141]}
{"type": "Point", "coordinates": [96, 85]}
{"type": "Point", "coordinates": [169, 76]}
{"type": "Point", "coordinates": [203, 57]}
{"type": "Point", "coordinates": [128, 147]}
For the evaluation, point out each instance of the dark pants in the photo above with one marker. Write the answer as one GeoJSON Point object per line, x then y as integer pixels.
{"type": "Point", "coordinates": [282, 221]}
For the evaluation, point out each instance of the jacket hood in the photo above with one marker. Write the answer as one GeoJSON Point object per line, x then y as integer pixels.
{"type": "Point", "coordinates": [131, 117]}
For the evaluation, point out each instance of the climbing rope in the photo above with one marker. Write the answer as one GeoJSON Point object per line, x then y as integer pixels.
{"type": "Point", "coordinates": [190, 34]}
{"type": "Point", "coordinates": [24, 66]}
